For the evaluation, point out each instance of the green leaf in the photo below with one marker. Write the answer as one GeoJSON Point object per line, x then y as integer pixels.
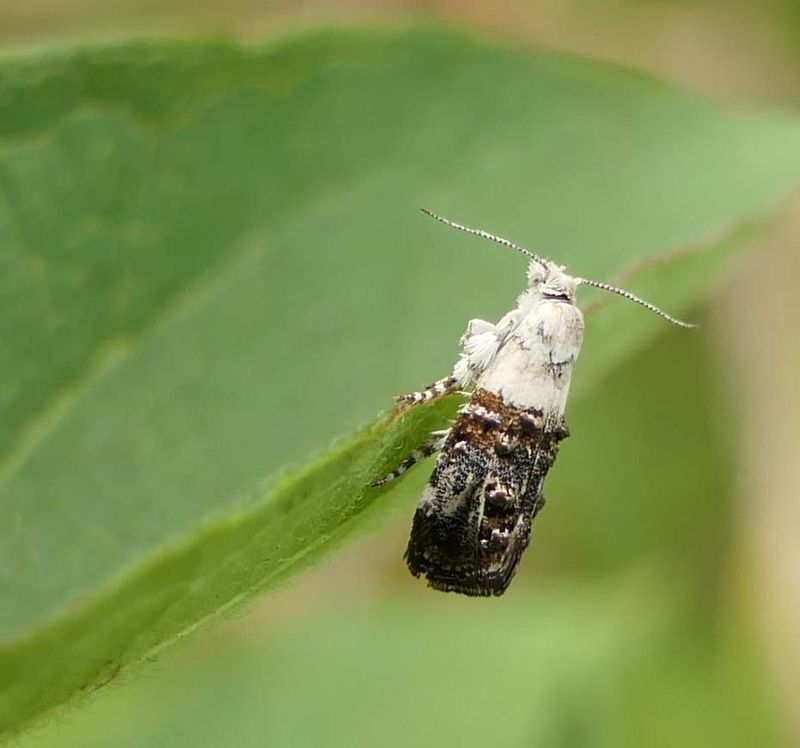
{"type": "Point", "coordinates": [394, 674]}
{"type": "Point", "coordinates": [610, 635]}
{"type": "Point", "coordinates": [213, 265]}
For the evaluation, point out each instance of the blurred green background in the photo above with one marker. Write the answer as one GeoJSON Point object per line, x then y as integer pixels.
{"type": "Point", "coordinates": [659, 604]}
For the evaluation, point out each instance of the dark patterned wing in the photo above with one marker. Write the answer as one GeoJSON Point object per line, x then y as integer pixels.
{"type": "Point", "coordinates": [474, 520]}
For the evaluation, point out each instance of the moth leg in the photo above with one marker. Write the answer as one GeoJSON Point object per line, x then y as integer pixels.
{"type": "Point", "coordinates": [439, 388]}
{"type": "Point", "coordinates": [426, 450]}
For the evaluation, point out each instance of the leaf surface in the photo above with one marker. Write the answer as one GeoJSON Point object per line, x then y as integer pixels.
{"type": "Point", "coordinates": [213, 265]}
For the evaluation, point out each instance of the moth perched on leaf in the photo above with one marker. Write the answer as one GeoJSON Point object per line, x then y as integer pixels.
{"type": "Point", "coordinates": [474, 519]}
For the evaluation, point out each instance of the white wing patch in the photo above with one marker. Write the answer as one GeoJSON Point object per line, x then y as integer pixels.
{"type": "Point", "coordinates": [480, 345]}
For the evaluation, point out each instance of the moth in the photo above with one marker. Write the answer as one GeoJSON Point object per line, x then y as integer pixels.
{"type": "Point", "coordinates": [474, 519]}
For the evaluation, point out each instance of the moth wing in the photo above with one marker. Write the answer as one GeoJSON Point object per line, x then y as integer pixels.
{"type": "Point", "coordinates": [444, 541]}
{"type": "Point", "coordinates": [510, 501]}
{"type": "Point", "coordinates": [474, 522]}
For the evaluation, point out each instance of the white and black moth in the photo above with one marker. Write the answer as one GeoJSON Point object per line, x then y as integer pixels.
{"type": "Point", "coordinates": [474, 519]}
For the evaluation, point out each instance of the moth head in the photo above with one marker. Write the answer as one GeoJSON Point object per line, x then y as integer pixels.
{"type": "Point", "coordinates": [551, 280]}
{"type": "Point", "coordinates": [558, 284]}
{"type": "Point", "coordinates": [537, 274]}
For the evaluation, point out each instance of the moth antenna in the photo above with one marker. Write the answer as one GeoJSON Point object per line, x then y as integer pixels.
{"type": "Point", "coordinates": [491, 237]}
{"type": "Point", "coordinates": [632, 297]}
